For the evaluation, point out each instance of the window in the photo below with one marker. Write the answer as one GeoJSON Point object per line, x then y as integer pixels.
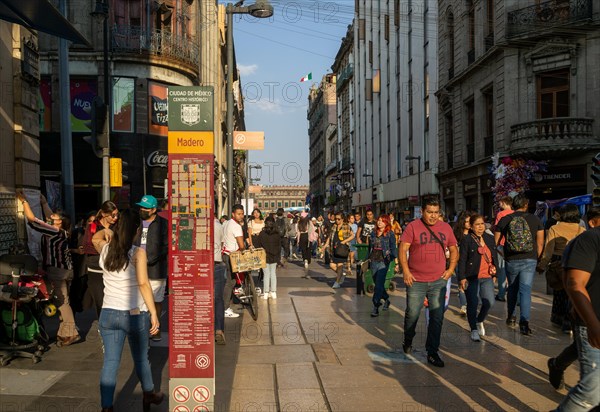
{"type": "Point", "coordinates": [553, 94]}
{"type": "Point", "coordinates": [361, 29]}
{"type": "Point", "coordinates": [397, 13]}
{"type": "Point", "coordinates": [387, 28]}
{"type": "Point", "coordinates": [489, 122]}
{"type": "Point", "coordinates": [299, 204]}
{"type": "Point", "coordinates": [286, 204]}
{"type": "Point", "coordinates": [471, 8]}
{"type": "Point", "coordinates": [371, 52]}
{"type": "Point", "coordinates": [259, 205]}
{"type": "Point", "coordinates": [279, 204]}
{"type": "Point", "coordinates": [293, 204]}
{"type": "Point", "coordinates": [490, 17]}
{"type": "Point", "coordinates": [272, 205]}
{"type": "Point", "coordinates": [450, 28]}
{"type": "Point", "coordinates": [123, 104]}
{"type": "Point", "coordinates": [449, 131]}
{"type": "Point", "coordinates": [470, 106]}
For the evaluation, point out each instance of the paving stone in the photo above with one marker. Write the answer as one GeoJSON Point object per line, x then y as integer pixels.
{"type": "Point", "coordinates": [296, 376]}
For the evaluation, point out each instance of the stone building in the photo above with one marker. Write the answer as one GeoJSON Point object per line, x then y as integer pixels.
{"type": "Point", "coordinates": [518, 78]}
{"type": "Point", "coordinates": [270, 198]}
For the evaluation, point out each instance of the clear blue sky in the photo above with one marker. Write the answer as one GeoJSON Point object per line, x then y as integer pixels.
{"type": "Point", "coordinates": [273, 55]}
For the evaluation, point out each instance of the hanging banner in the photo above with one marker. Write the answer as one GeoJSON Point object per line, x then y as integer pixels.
{"type": "Point", "coordinates": [191, 253]}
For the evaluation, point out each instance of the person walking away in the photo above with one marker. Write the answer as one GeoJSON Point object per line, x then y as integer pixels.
{"type": "Point", "coordinates": [326, 228]}
{"type": "Point", "coordinates": [565, 230]}
{"type": "Point", "coordinates": [270, 240]}
{"type": "Point", "coordinates": [282, 227]}
{"type": "Point", "coordinates": [56, 261]}
{"type": "Point", "coordinates": [524, 235]}
{"type": "Point", "coordinates": [128, 309]}
{"type": "Point", "coordinates": [425, 274]}
{"type": "Point", "coordinates": [154, 239]}
{"type": "Point", "coordinates": [505, 204]}
{"type": "Point", "coordinates": [581, 262]}
{"type": "Point", "coordinates": [476, 273]}
{"type": "Point", "coordinates": [397, 229]}
{"type": "Point", "coordinates": [461, 229]}
{"type": "Point", "coordinates": [233, 240]}
{"type": "Point", "coordinates": [106, 217]}
{"type": "Point", "coordinates": [220, 277]}
{"type": "Point", "coordinates": [338, 245]}
{"type": "Point", "coordinates": [292, 236]}
{"type": "Point", "coordinates": [558, 365]}
{"type": "Point", "coordinates": [306, 236]}
{"type": "Point", "coordinates": [365, 227]}
{"type": "Point", "coordinates": [383, 252]}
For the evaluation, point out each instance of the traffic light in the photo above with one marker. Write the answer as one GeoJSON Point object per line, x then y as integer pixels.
{"type": "Point", "coordinates": [98, 137]}
{"type": "Point", "coordinates": [596, 196]}
{"type": "Point", "coordinates": [118, 172]}
{"type": "Point", "coordinates": [596, 169]}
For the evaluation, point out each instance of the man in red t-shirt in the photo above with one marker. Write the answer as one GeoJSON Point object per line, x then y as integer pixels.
{"type": "Point", "coordinates": [505, 204]}
{"type": "Point", "coordinates": [429, 243]}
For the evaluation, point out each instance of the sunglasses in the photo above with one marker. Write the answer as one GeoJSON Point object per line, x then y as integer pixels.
{"type": "Point", "coordinates": [337, 219]}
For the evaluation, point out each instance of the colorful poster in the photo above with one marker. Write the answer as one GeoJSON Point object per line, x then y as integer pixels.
{"type": "Point", "coordinates": [83, 92]}
{"type": "Point", "coordinates": [123, 102]}
{"type": "Point", "coordinates": [158, 116]}
{"type": "Point", "coordinates": [45, 105]}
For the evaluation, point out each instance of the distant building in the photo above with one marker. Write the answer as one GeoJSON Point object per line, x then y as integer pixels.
{"type": "Point", "coordinates": [270, 198]}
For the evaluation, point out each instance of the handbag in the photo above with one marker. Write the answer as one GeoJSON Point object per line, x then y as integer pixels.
{"type": "Point", "coordinates": [481, 251]}
{"type": "Point", "coordinates": [341, 250]}
{"type": "Point", "coordinates": [554, 275]}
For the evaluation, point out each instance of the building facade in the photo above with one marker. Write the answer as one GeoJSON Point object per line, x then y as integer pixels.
{"type": "Point", "coordinates": [270, 198]}
{"type": "Point", "coordinates": [343, 68]}
{"type": "Point", "coordinates": [395, 77]}
{"type": "Point", "coordinates": [517, 78]}
{"type": "Point", "coordinates": [321, 119]}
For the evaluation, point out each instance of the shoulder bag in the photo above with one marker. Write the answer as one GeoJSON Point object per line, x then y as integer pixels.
{"type": "Point", "coordinates": [437, 239]}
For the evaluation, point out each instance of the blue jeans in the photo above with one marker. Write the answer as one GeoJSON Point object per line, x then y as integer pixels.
{"type": "Point", "coordinates": [520, 275]}
{"type": "Point", "coordinates": [586, 394]}
{"type": "Point", "coordinates": [501, 274]}
{"type": "Point", "coordinates": [115, 325]}
{"type": "Point", "coordinates": [415, 295]}
{"type": "Point", "coordinates": [220, 276]}
{"type": "Point", "coordinates": [479, 288]}
{"type": "Point", "coordinates": [270, 279]}
{"type": "Point", "coordinates": [379, 270]}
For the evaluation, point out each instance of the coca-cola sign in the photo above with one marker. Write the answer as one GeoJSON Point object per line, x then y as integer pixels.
{"type": "Point", "coordinates": [157, 159]}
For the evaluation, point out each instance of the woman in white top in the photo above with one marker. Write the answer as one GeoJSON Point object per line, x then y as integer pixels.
{"type": "Point", "coordinates": [255, 225]}
{"type": "Point", "coordinates": [127, 309]}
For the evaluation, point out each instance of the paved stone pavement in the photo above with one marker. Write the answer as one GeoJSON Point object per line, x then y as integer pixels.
{"type": "Point", "coordinates": [314, 350]}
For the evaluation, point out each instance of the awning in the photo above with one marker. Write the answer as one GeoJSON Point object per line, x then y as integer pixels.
{"type": "Point", "coordinates": [40, 15]}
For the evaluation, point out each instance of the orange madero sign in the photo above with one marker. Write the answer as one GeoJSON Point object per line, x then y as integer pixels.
{"type": "Point", "coordinates": [191, 142]}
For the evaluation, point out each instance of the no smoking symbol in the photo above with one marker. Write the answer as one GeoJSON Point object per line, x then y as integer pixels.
{"type": "Point", "coordinates": [240, 138]}
{"type": "Point", "coordinates": [181, 408]}
{"type": "Point", "coordinates": [202, 361]}
{"type": "Point", "coordinates": [201, 394]}
{"type": "Point", "coordinates": [201, 408]}
{"type": "Point", "coordinates": [181, 394]}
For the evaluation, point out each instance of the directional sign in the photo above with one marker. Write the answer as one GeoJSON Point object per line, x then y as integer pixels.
{"type": "Point", "coordinates": [201, 394]}
{"type": "Point", "coordinates": [181, 394]}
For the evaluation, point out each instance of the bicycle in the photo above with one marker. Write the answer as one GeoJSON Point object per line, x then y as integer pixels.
{"type": "Point", "coordinates": [246, 292]}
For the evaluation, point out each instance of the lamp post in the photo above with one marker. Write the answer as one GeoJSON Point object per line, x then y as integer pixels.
{"type": "Point", "coordinates": [261, 9]}
{"type": "Point", "coordinates": [418, 158]}
{"type": "Point", "coordinates": [250, 180]}
{"type": "Point", "coordinates": [101, 11]}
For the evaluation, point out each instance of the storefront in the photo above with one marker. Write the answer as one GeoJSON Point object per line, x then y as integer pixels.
{"type": "Point", "coordinates": [448, 199]}
{"type": "Point", "coordinates": [559, 182]}
{"type": "Point", "coordinates": [486, 183]}
{"type": "Point", "coordinates": [471, 193]}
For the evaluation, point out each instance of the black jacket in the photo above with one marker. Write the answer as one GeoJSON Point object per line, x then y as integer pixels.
{"type": "Point", "coordinates": [271, 243]}
{"type": "Point", "coordinates": [157, 248]}
{"type": "Point", "coordinates": [469, 260]}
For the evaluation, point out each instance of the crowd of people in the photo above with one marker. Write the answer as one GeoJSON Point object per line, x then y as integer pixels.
{"type": "Point", "coordinates": [122, 255]}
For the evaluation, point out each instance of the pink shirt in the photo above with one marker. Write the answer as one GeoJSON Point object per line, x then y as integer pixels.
{"type": "Point", "coordinates": [499, 216]}
{"type": "Point", "coordinates": [427, 258]}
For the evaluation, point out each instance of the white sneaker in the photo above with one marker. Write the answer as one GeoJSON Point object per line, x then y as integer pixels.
{"type": "Point", "coordinates": [265, 296]}
{"type": "Point", "coordinates": [273, 295]}
{"type": "Point", "coordinates": [475, 336]}
{"type": "Point", "coordinates": [306, 264]}
{"type": "Point", "coordinates": [229, 313]}
{"type": "Point", "coordinates": [480, 329]}
{"type": "Point", "coordinates": [463, 310]}
{"type": "Point", "coordinates": [335, 285]}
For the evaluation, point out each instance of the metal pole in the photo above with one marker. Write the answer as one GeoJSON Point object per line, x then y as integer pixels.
{"type": "Point", "coordinates": [230, 196]}
{"type": "Point", "coordinates": [106, 150]}
{"type": "Point", "coordinates": [66, 142]}
{"type": "Point", "coordinates": [248, 179]}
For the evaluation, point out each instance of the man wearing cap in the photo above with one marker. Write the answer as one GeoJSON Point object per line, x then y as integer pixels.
{"type": "Point", "coordinates": [154, 238]}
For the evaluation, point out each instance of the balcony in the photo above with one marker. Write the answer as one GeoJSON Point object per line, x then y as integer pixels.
{"type": "Point", "coordinates": [163, 43]}
{"type": "Point", "coordinates": [557, 133]}
{"type": "Point", "coordinates": [344, 76]}
{"type": "Point", "coordinates": [470, 152]}
{"type": "Point", "coordinates": [488, 145]}
{"type": "Point", "coordinates": [542, 18]}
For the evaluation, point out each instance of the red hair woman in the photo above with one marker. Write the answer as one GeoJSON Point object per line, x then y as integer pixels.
{"type": "Point", "coordinates": [383, 251]}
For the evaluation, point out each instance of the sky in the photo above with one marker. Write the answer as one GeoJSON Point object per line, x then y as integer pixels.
{"type": "Point", "coordinates": [273, 55]}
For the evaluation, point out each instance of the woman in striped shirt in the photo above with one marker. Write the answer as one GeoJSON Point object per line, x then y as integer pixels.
{"type": "Point", "coordinates": [56, 262]}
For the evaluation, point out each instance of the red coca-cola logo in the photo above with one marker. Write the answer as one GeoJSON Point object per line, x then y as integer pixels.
{"type": "Point", "coordinates": [157, 159]}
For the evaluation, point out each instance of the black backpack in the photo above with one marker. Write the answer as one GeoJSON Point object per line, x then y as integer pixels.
{"type": "Point", "coordinates": [280, 226]}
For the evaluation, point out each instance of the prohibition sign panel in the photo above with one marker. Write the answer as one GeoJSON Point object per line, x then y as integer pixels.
{"type": "Point", "coordinates": [181, 408]}
{"type": "Point", "coordinates": [181, 394]}
{"type": "Point", "coordinates": [201, 394]}
{"type": "Point", "coordinates": [201, 408]}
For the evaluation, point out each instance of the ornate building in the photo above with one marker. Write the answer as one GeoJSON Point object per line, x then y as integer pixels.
{"type": "Point", "coordinates": [270, 198]}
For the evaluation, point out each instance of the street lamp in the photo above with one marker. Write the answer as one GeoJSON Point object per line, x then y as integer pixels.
{"type": "Point", "coordinates": [418, 158]}
{"type": "Point", "coordinates": [101, 12]}
{"type": "Point", "coordinates": [250, 180]}
{"type": "Point", "coordinates": [261, 9]}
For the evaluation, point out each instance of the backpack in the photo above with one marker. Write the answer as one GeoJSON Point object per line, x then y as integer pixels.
{"type": "Point", "coordinates": [280, 226]}
{"type": "Point", "coordinates": [518, 235]}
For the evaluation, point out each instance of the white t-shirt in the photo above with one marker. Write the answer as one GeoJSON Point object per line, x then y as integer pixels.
{"type": "Point", "coordinates": [231, 230]}
{"type": "Point", "coordinates": [121, 288]}
{"type": "Point", "coordinates": [218, 234]}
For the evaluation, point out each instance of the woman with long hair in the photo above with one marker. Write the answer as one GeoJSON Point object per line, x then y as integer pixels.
{"type": "Point", "coordinates": [106, 217]}
{"type": "Point", "coordinates": [255, 225]}
{"type": "Point", "coordinates": [306, 235]}
{"type": "Point", "coordinates": [340, 234]}
{"type": "Point", "coordinates": [128, 309]}
{"type": "Point", "coordinates": [476, 273]}
{"type": "Point", "coordinates": [57, 263]}
{"type": "Point", "coordinates": [383, 252]}
{"type": "Point", "coordinates": [270, 240]}
{"type": "Point", "coordinates": [461, 229]}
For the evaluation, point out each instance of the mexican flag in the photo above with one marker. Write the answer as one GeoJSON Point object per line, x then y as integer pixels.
{"type": "Point", "coordinates": [306, 78]}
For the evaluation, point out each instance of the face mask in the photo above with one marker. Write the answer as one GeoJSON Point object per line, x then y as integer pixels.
{"type": "Point", "coordinates": [145, 215]}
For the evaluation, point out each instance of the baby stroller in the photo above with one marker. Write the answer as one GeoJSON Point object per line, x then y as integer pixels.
{"type": "Point", "coordinates": [23, 299]}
